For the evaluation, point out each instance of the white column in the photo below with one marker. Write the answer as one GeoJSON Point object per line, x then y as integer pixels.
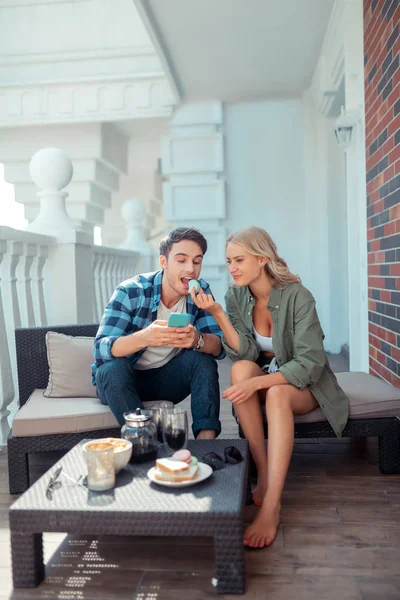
{"type": "Point", "coordinates": [316, 214]}
{"type": "Point", "coordinates": [69, 283]}
{"type": "Point", "coordinates": [194, 195]}
{"type": "Point", "coordinates": [98, 152]}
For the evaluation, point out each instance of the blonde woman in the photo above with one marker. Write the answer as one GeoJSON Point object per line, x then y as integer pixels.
{"type": "Point", "coordinates": [273, 335]}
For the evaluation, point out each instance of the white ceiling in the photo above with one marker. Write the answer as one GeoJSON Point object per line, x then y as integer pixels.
{"type": "Point", "coordinates": [236, 50]}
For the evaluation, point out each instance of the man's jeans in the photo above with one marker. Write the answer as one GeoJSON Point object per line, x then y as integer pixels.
{"type": "Point", "coordinates": [123, 387]}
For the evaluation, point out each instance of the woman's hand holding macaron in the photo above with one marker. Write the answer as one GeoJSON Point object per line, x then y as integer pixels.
{"type": "Point", "coordinates": [202, 300]}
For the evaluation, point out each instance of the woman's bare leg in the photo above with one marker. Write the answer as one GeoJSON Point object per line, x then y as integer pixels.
{"type": "Point", "coordinates": [251, 421]}
{"type": "Point", "coordinates": [282, 402]}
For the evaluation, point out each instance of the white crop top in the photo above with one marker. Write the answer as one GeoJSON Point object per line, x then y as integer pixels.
{"type": "Point", "coordinates": [265, 343]}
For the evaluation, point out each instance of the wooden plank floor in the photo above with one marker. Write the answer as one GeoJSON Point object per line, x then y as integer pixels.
{"type": "Point", "coordinates": [339, 538]}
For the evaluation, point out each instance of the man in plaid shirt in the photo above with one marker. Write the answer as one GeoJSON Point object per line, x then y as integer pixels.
{"type": "Point", "coordinates": [138, 357]}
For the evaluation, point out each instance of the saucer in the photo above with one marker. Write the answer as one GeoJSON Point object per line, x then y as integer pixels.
{"type": "Point", "coordinates": [204, 471]}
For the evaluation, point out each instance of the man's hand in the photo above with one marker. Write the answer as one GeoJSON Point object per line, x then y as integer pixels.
{"type": "Point", "coordinates": [187, 337]}
{"type": "Point", "coordinates": [240, 392]}
{"type": "Point", "coordinates": [206, 302]}
{"type": "Point", "coordinates": [159, 334]}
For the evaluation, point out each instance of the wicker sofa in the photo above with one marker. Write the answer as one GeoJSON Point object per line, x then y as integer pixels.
{"type": "Point", "coordinates": [90, 420]}
{"type": "Point", "coordinates": [374, 412]}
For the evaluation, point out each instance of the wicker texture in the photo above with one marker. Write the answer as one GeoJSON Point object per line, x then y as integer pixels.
{"type": "Point", "coordinates": [33, 373]}
{"type": "Point", "coordinates": [136, 506]}
{"type": "Point", "coordinates": [32, 365]}
{"type": "Point", "coordinates": [27, 550]}
{"type": "Point", "coordinates": [387, 429]}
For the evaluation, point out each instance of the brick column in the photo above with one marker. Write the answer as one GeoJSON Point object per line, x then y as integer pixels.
{"type": "Point", "coordinates": [382, 128]}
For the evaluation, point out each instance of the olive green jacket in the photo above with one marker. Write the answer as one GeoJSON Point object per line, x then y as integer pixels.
{"type": "Point", "coordinates": [297, 342]}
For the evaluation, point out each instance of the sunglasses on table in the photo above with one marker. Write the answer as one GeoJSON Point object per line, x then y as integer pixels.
{"type": "Point", "coordinates": [232, 456]}
{"type": "Point", "coordinates": [54, 483]}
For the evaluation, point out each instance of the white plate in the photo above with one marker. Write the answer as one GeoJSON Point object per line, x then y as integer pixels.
{"type": "Point", "coordinates": [204, 471]}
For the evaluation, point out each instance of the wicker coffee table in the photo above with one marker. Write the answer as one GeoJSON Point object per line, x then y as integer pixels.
{"type": "Point", "coordinates": [136, 506]}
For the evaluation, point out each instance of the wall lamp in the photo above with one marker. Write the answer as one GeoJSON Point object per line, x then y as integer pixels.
{"type": "Point", "coordinates": [344, 125]}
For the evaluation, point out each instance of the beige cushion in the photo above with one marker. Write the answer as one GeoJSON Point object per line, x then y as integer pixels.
{"type": "Point", "coordinates": [369, 397]}
{"type": "Point", "coordinates": [42, 416]}
{"type": "Point", "coordinates": [69, 361]}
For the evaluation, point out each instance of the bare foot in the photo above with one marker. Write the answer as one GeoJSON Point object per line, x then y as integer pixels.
{"type": "Point", "coordinates": [260, 490]}
{"type": "Point", "coordinates": [263, 529]}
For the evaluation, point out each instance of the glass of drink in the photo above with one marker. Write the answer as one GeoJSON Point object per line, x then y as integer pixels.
{"type": "Point", "coordinates": [174, 429]}
{"type": "Point", "coordinates": [157, 408]}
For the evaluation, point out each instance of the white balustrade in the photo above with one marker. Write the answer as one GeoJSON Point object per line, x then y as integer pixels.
{"type": "Point", "coordinates": [22, 304]}
{"type": "Point", "coordinates": [25, 267]}
{"type": "Point", "coordinates": [111, 266]}
{"type": "Point", "coordinates": [45, 271]}
{"type": "Point", "coordinates": [6, 378]}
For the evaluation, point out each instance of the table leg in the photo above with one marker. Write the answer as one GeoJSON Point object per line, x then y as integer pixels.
{"type": "Point", "coordinates": [229, 559]}
{"type": "Point", "coordinates": [27, 559]}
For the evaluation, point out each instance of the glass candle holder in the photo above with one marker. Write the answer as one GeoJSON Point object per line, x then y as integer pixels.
{"type": "Point", "coordinates": [101, 470]}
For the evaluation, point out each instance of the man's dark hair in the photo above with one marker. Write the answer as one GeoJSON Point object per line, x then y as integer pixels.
{"type": "Point", "coordinates": [180, 234]}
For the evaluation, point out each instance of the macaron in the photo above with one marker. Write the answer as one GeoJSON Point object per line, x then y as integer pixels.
{"type": "Point", "coordinates": [193, 283]}
{"type": "Point", "coordinates": [183, 455]}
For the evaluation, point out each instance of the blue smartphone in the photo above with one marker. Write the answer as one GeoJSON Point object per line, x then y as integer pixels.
{"type": "Point", "coordinates": [178, 320]}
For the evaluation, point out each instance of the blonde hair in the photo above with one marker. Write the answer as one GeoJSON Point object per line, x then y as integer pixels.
{"type": "Point", "coordinates": [258, 243]}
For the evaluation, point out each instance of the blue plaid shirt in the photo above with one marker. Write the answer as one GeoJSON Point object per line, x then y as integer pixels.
{"type": "Point", "coordinates": [133, 306]}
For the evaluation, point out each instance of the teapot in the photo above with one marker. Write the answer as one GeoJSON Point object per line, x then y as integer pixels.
{"type": "Point", "coordinates": [140, 430]}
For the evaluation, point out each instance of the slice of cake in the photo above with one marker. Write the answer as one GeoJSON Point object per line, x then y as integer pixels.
{"type": "Point", "coordinates": [174, 470]}
{"type": "Point", "coordinates": [169, 465]}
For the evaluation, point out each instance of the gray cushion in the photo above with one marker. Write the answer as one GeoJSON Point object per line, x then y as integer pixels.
{"type": "Point", "coordinates": [45, 416]}
{"type": "Point", "coordinates": [69, 358]}
{"type": "Point", "coordinates": [369, 397]}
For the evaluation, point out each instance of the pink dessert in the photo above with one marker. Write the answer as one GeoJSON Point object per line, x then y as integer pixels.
{"type": "Point", "coordinates": [184, 455]}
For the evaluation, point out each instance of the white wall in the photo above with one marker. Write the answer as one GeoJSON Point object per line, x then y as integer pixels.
{"type": "Point", "coordinates": [286, 174]}
{"type": "Point", "coordinates": [337, 242]}
{"type": "Point", "coordinates": [264, 142]}
{"type": "Point", "coordinates": [326, 209]}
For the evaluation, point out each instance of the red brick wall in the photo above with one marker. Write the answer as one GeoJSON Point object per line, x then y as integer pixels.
{"type": "Point", "coordinates": [382, 122]}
